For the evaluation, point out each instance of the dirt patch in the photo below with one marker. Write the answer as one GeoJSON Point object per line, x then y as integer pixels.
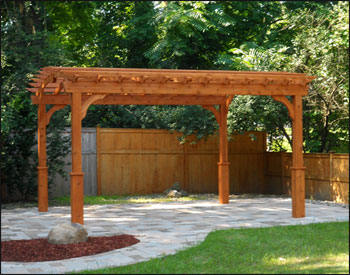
{"type": "Point", "coordinates": [40, 250]}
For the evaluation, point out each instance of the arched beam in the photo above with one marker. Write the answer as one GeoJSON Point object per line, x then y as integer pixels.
{"type": "Point", "coordinates": [287, 103]}
{"type": "Point", "coordinates": [214, 111]}
{"type": "Point", "coordinates": [50, 112]}
{"type": "Point", "coordinates": [229, 100]}
{"type": "Point", "coordinates": [88, 102]}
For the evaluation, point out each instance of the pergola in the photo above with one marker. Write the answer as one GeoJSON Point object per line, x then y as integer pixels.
{"type": "Point", "coordinates": [82, 87]}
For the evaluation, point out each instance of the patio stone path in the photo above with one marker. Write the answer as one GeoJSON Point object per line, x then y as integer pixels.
{"type": "Point", "coordinates": [162, 228]}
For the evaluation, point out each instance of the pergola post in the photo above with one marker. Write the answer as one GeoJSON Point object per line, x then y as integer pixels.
{"type": "Point", "coordinates": [77, 176]}
{"type": "Point", "coordinates": [42, 168]}
{"type": "Point", "coordinates": [223, 164]}
{"type": "Point", "coordinates": [298, 169]}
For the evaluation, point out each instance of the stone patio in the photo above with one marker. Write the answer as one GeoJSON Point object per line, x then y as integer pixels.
{"type": "Point", "coordinates": [162, 228]}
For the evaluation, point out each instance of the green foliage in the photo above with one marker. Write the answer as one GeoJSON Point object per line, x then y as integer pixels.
{"type": "Point", "coordinates": [24, 49]}
{"type": "Point", "coordinates": [322, 50]}
{"type": "Point", "coordinates": [319, 46]}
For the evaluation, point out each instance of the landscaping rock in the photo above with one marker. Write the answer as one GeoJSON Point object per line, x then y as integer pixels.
{"type": "Point", "coordinates": [167, 191]}
{"type": "Point", "coordinates": [174, 194]}
{"type": "Point", "coordinates": [176, 186]}
{"type": "Point", "coordinates": [66, 233]}
{"type": "Point", "coordinates": [175, 191]}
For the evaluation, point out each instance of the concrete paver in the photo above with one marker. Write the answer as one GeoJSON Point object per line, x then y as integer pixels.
{"type": "Point", "coordinates": [162, 228]}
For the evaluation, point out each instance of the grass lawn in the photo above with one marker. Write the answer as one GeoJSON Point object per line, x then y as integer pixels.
{"type": "Point", "coordinates": [122, 199]}
{"type": "Point", "coordinates": [304, 249]}
{"type": "Point", "coordinates": [117, 199]}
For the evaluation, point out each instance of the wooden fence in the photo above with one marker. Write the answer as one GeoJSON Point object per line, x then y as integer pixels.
{"type": "Point", "coordinates": [326, 175]}
{"type": "Point", "coordinates": [61, 186]}
{"type": "Point", "coordinates": [139, 161]}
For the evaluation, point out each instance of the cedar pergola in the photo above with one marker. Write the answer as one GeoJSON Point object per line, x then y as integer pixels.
{"type": "Point", "coordinates": [82, 87]}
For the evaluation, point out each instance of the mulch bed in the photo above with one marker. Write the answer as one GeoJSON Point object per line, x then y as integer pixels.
{"type": "Point", "coordinates": [40, 250]}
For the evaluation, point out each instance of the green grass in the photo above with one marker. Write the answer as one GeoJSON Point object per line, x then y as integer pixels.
{"type": "Point", "coordinates": [122, 199]}
{"type": "Point", "coordinates": [304, 249]}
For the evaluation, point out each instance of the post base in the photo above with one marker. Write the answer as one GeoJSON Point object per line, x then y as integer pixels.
{"type": "Point", "coordinates": [43, 200]}
{"type": "Point", "coordinates": [77, 197]}
{"type": "Point", "coordinates": [298, 191]}
{"type": "Point", "coordinates": [224, 185]}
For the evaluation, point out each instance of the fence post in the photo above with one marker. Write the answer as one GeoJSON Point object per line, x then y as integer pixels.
{"type": "Point", "coordinates": [98, 159]}
{"type": "Point", "coordinates": [330, 168]}
{"type": "Point", "coordinates": [283, 164]}
{"type": "Point", "coordinates": [186, 184]}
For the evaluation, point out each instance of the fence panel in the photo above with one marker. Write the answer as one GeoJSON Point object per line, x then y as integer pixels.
{"type": "Point", "coordinates": [61, 186]}
{"type": "Point", "coordinates": [326, 175]}
{"type": "Point", "coordinates": [141, 161]}
{"type": "Point", "coordinates": [135, 161]}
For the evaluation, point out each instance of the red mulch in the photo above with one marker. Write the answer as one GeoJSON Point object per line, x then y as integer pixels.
{"type": "Point", "coordinates": [40, 250]}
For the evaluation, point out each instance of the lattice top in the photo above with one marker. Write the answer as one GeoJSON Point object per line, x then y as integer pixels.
{"type": "Point", "coordinates": [55, 80]}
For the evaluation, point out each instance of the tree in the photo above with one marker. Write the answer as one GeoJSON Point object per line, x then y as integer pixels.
{"type": "Point", "coordinates": [322, 49]}
{"type": "Point", "coordinates": [318, 46]}
{"type": "Point", "coordinates": [24, 49]}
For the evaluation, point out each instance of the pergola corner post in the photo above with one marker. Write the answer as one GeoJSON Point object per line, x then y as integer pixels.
{"type": "Point", "coordinates": [42, 166]}
{"type": "Point", "coordinates": [223, 164]}
{"type": "Point", "coordinates": [298, 169]}
{"type": "Point", "coordinates": [77, 175]}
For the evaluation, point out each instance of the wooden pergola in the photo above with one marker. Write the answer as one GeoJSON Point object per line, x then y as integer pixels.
{"type": "Point", "coordinates": [82, 87]}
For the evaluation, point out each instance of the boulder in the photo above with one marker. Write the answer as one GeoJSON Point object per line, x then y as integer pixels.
{"type": "Point", "coordinates": [174, 194]}
{"type": "Point", "coordinates": [176, 186]}
{"type": "Point", "coordinates": [167, 191]}
{"type": "Point", "coordinates": [67, 233]}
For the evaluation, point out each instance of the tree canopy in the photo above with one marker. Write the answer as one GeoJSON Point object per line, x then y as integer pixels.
{"type": "Point", "coordinates": [310, 37]}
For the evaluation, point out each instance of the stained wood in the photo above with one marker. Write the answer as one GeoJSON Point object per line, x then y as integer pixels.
{"type": "Point", "coordinates": [42, 168]}
{"type": "Point", "coordinates": [144, 161]}
{"type": "Point", "coordinates": [323, 180]}
{"type": "Point", "coordinates": [77, 180]}
{"type": "Point", "coordinates": [185, 89]}
{"type": "Point", "coordinates": [135, 100]}
{"type": "Point", "coordinates": [298, 169]}
{"type": "Point", "coordinates": [98, 82]}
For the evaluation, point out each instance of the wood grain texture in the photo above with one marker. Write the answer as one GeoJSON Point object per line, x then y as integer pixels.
{"type": "Point", "coordinates": [322, 180]}
{"type": "Point", "coordinates": [77, 175]}
{"type": "Point", "coordinates": [42, 168]}
{"type": "Point", "coordinates": [140, 161]}
{"type": "Point", "coordinates": [54, 80]}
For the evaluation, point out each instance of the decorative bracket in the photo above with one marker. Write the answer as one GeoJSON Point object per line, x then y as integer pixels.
{"type": "Point", "coordinates": [287, 103]}
{"type": "Point", "coordinates": [214, 111]}
{"type": "Point", "coordinates": [88, 102]}
{"type": "Point", "coordinates": [229, 100]}
{"type": "Point", "coordinates": [50, 112]}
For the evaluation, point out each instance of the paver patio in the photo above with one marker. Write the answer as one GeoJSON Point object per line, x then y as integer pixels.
{"type": "Point", "coordinates": [162, 228]}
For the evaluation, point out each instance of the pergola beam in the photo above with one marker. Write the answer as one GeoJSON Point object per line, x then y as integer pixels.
{"type": "Point", "coordinates": [184, 89]}
{"type": "Point", "coordinates": [136, 99]}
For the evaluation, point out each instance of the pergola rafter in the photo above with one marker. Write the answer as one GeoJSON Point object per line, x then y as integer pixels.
{"type": "Point", "coordinates": [82, 87]}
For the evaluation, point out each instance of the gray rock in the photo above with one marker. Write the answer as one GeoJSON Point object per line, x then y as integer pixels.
{"type": "Point", "coordinates": [183, 193]}
{"type": "Point", "coordinates": [67, 233]}
{"type": "Point", "coordinates": [176, 186]}
{"type": "Point", "coordinates": [174, 194]}
{"type": "Point", "coordinates": [167, 191]}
